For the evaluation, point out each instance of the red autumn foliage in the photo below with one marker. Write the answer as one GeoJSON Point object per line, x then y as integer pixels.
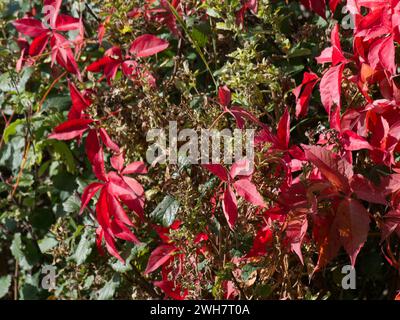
{"type": "Point", "coordinates": [323, 196]}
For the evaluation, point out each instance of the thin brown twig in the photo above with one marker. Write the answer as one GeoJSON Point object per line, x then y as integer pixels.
{"type": "Point", "coordinates": [49, 89]}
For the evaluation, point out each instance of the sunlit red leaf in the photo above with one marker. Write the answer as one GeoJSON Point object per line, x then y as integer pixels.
{"type": "Point", "coordinates": [336, 170]}
{"type": "Point", "coordinates": [352, 221]}
{"type": "Point", "coordinates": [331, 87]}
{"type": "Point", "coordinates": [89, 193]}
{"type": "Point", "coordinates": [30, 27]}
{"type": "Point", "coordinates": [70, 129]}
{"type": "Point", "coordinates": [229, 206]}
{"type": "Point", "coordinates": [159, 256]}
{"type": "Point", "coordinates": [171, 290]}
{"type": "Point", "coordinates": [248, 191]}
{"type": "Point", "coordinates": [217, 170]}
{"type": "Point", "coordinates": [147, 45]}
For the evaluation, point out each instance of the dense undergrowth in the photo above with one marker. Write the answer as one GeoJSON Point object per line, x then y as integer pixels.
{"type": "Point", "coordinates": [82, 84]}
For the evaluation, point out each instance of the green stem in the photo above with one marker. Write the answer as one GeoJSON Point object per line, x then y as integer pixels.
{"type": "Point", "coordinates": [195, 44]}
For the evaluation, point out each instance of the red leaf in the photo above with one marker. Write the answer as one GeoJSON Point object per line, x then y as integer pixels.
{"type": "Point", "coordinates": [118, 185]}
{"type": "Point", "coordinates": [67, 23]}
{"type": "Point", "coordinates": [39, 44]}
{"type": "Point", "coordinates": [117, 210]}
{"type": "Point", "coordinates": [88, 194]}
{"type": "Point", "coordinates": [109, 64]}
{"type": "Point", "coordinates": [134, 203]}
{"type": "Point", "coordinates": [147, 45]}
{"type": "Point", "coordinates": [248, 191]}
{"type": "Point", "coordinates": [30, 27]}
{"type": "Point", "coordinates": [318, 6]}
{"type": "Point", "coordinates": [325, 56]}
{"type": "Point", "coordinates": [98, 65]}
{"type": "Point", "coordinates": [120, 231]}
{"type": "Point", "coordinates": [262, 239]}
{"type": "Point", "coordinates": [326, 235]}
{"type": "Point", "coordinates": [217, 170]}
{"type": "Point", "coordinates": [391, 223]}
{"type": "Point", "coordinates": [53, 11]}
{"type": "Point", "coordinates": [70, 129]}
{"type": "Point", "coordinates": [99, 239]}
{"type": "Point", "coordinates": [252, 5]}
{"type": "Point", "coordinates": [241, 167]}
{"type": "Point", "coordinates": [330, 87]}
{"type": "Point", "coordinates": [133, 199]}
{"type": "Point", "coordinates": [159, 256]}
{"type": "Point", "coordinates": [352, 141]}
{"type": "Point", "coordinates": [102, 213]}
{"type": "Point", "coordinates": [130, 68]}
{"type": "Point", "coordinates": [333, 54]}
{"type": "Point", "coordinates": [283, 131]}
{"type": "Point", "coordinates": [110, 245]}
{"type": "Point", "coordinates": [365, 190]}
{"type": "Point", "coordinates": [135, 186]}
{"type": "Point", "coordinates": [390, 184]}
{"type": "Point", "coordinates": [240, 114]}
{"type": "Point", "coordinates": [337, 54]}
{"type": "Point", "coordinates": [303, 93]}
{"type": "Point", "coordinates": [100, 32]}
{"type": "Point", "coordinates": [20, 61]}
{"type": "Point", "coordinates": [103, 217]}
{"type": "Point", "coordinates": [137, 167]}
{"type": "Point", "coordinates": [61, 51]}
{"type": "Point", "coordinates": [333, 4]}
{"type": "Point", "coordinates": [382, 52]}
{"type": "Point", "coordinates": [229, 206]}
{"type": "Point", "coordinates": [168, 287]}
{"type": "Point", "coordinates": [295, 233]}
{"type": "Point", "coordinates": [94, 152]}
{"type": "Point", "coordinates": [336, 170]}
{"type": "Point", "coordinates": [79, 103]}
{"type": "Point", "coordinates": [107, 141]}
{"type": "Point", "coordinates": [224, 96]}
{"type": "Point", "coordinates": [352, 221]}
{"type": "Point", "coordinates": [117, 161]}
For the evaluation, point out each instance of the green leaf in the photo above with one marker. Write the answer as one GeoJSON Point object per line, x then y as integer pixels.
{"type": "Point", "coordinates": [247, 270]}
{"type": "Point", "coordinates": [26, 180]}
{"type": "Point", "coordinates": [88, 282]}
{"type": "Point", "coordinates": [298, 52]}
{"type": "Point", "coordinates": [15, 82]}
{"type": "Point", "coordinates": [16, 247]}
{"type": "Point", "coordinates": [135, 252]}
{"type": "Point", "coordinates": [24, 253]}
{"type": "Point", "coordinates": [63, 152]}
{"type": "Point", "coordinates": [108, 291]}
{"type": "Point", "coordinates": [200, 34]}
{"type": "Point", "coordinates": [72, 205]}
{"type": "Point", "coordinates": [166, 211]}
{"type": "Point", "coordinates": [84, 247]}
{"type": "Point", "coordinates": [47, 243]}
{"type": "Point", "coordinates": [263, 291]}
{"type": "Point", "coordinates": [57, 103]}
{"type": "Point", "coordinates": [5, 283]}
{"type": "Point", "coordinates": [12, 129]}
{"type": "Point", "coordinates": [212, 13]}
